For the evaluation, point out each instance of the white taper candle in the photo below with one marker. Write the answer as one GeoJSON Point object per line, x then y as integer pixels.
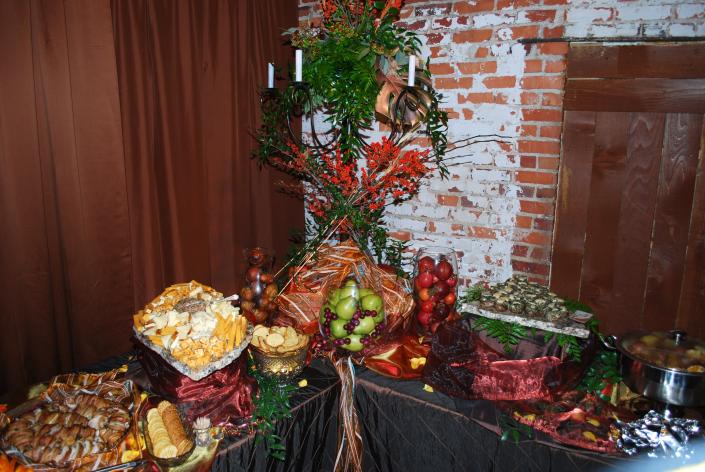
{"type": "Point", "coordinates": [299, 65]}
{"type": "Point", "coordinates": [412, 70]}
{"type": "Point", "coordinates": [270, 75]}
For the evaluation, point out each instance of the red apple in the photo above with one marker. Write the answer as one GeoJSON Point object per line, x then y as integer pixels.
{"type": "Point", "coordinates": [427, 305]}
{"type": "Point", "coordinates": [452, 282]}
{"type": "Point", "coordinates": [449, 299]}
{"type": "Point", "coordinates": [424, 317]}
{"type": "Point", "coordinates": [426, 264]}
{"type": "Point", "coordinates": [424, 279]}
{"type": "Point", "coordinates": [441, 289]}
{"type": "Point", "coordinates": [443, 270]}
{"type": "Point", "coordinates": [252, 274]}
{"type": "Point", "coordinates": [424, 294]}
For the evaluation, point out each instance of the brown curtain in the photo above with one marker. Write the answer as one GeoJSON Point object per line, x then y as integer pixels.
{"type": "Point", "coordinates": [124, 165]}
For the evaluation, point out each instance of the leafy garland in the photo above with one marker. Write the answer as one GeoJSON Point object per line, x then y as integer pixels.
{"type": "Point", "coordinates": [271, 405]}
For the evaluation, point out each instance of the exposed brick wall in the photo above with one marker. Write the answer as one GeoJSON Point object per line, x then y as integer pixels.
{"type": "Point", "coordinates": [497, 209]}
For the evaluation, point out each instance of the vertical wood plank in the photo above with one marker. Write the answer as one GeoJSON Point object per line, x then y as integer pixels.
{"type": "Point", "coordinates": [607, 181]}
{"type": "Point", "coordinates": [670, 235]}
{"type": "Point", "coordinates": [573, 198]}
{"type": "Point", "coordinates": [691, 306]}
{"type": "Point", "coordinates": [633, 242]}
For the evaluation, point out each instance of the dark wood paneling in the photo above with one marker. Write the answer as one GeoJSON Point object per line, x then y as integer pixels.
{"type": "Point", "coordinates": [571, 211]}
{"type": "Point", "coordinates": [673, 61]}
{"type": "Point", "coordinates": [606, 183]}
{"type": "Point", "coordinates": [636, 218]}
{"type": "Point", "coordinates": [672, 219]}
{"type": "Point", "coordinates": [691, 307]}
{"type": "Point", "coordinates": [638, 95]}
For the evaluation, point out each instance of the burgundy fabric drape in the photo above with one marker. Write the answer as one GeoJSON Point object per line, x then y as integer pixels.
{"type": "Point", "coordinates": [124, 165]}
{"type": "Point", "coordinates": [189, 75]}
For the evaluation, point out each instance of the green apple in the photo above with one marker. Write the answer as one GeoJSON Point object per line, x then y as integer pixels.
{"type": "Point", "coordinates": [363, 292]}
{"type": "Point", "coordinates": [350, 291]}
{"type": "Point", "coordinates": [350, 283]}
{"type": "Point", "coordinates": [346, 308]}
{"type": "Point", "coordinates": [379, 318]}
{"type": "Point", "coordinates": [372, 302]}
{"type": "Point", "coordinates": [367, 324]}
{"type": "Point", "coordinates": [334, 297]}
{"type": "Point", "coordinates": [337, 329]}
{"type": "Point", "coordinates": [355, 344]}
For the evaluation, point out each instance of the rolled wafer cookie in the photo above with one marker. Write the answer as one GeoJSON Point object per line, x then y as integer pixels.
{"type": "Point", "coordinates": [174, 428]}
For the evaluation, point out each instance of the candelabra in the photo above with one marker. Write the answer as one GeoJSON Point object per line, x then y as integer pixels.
{"type": "Point", "coordinates": [403, 112]}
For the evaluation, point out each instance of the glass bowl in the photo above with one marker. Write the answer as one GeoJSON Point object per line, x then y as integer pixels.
{"type": "Point", "coordinates": [282, 367]}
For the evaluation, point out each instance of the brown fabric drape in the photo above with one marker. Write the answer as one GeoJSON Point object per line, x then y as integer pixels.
{"type": "Point", "coordinates": [124, 165]}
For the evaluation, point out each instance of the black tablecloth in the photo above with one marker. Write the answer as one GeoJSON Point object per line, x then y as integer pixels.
{"type": "Point", "coordinates": [409, 429]}
{"type": "Point", "coordinates": [404, 428]}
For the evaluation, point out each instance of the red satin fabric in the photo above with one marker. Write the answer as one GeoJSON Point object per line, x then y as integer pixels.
{"type": "Point", "coordinates": [224, 395]}
{"type": "Point", "coordinates": [513, 380]}
{"type": "Point", "coordinates": [394, 359]}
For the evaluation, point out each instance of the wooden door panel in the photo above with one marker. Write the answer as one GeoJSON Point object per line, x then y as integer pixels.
{"type": "Point", "coordinates": [679, 162]}
{"type": "Point", "coordinates": [636, 219]}
{"type": "Point", "coordinates": [606, 183]}
{"type": "Point", "coordinates": [572, 204]}
{"type": "Point", "coordinates": [630, 215]}
{"type": "Point", "coordinates": [691, 306]}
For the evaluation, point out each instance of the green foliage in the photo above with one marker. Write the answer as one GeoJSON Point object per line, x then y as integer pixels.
{"type": "Point", "coordinates": [271, 405]}
{"type": "Point", "coordinates": [603, 370]}
{"type": "Point", "coordinates": [574, 305]}
{"type": "Point", "coordinates": [508, 334]}
{"type": "Point", "coordinates": [472, 294]}
{"type": "Point", "coordinates": [513, 429]}
{"type": "Point", "coordinates": [566, 341]}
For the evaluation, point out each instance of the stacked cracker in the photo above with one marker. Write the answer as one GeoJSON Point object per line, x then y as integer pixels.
{"type": "Point", "coordinates": [193, 323]}
{"type": "Point", "coordinates": [278, 339]}
{"type": "Point", "coordinates": [166, 432]}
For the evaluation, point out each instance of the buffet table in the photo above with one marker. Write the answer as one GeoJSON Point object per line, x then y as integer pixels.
{"type": "Point", "coordinates": [404, 427]}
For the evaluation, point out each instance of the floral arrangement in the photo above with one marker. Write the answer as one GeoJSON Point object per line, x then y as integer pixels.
{"type": "Point", "coordinates": [355, 66]}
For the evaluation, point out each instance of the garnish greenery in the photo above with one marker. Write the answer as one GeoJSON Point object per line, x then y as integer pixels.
{"type": "Point", "coordinates": [508, 334]}
{"type": "Point", "coordinates": [603, 371]}
{"type": "Point", "coordinates": [473, 293]}
{"type": "Point", "coordinates": [566, 341]}
{"type": "Point", "coordinates": [513, 429]}
{"type": "Point", "coordinates": [271, 405]}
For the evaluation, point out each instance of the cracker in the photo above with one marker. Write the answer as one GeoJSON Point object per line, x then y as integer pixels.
{"type": "Point", "coordinates": [275, 340]}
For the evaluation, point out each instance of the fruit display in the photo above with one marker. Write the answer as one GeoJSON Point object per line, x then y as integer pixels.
{"type": "Point", "coordinates": [352, 316]}
{"type": "Point", "coordinates": [522, 297]}
{"type": "Point", "coordinates": [259, 291]}
{"type": "Point", "coordinates": [435, 287]}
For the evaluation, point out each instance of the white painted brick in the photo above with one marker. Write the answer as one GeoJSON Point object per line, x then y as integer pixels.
{"type": "Point", "coordinates": [588, 15]}
{"type": "Point", "coordinates": [639, 13]}
{"type": "Point", "coordinates": [690, 10]}
{"type": "Point", "coordinates": [614, 30]}
{"type": "Point", "coordinates": [687, 29]}
{"type": "Point", "coordinates": [492, 19]}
